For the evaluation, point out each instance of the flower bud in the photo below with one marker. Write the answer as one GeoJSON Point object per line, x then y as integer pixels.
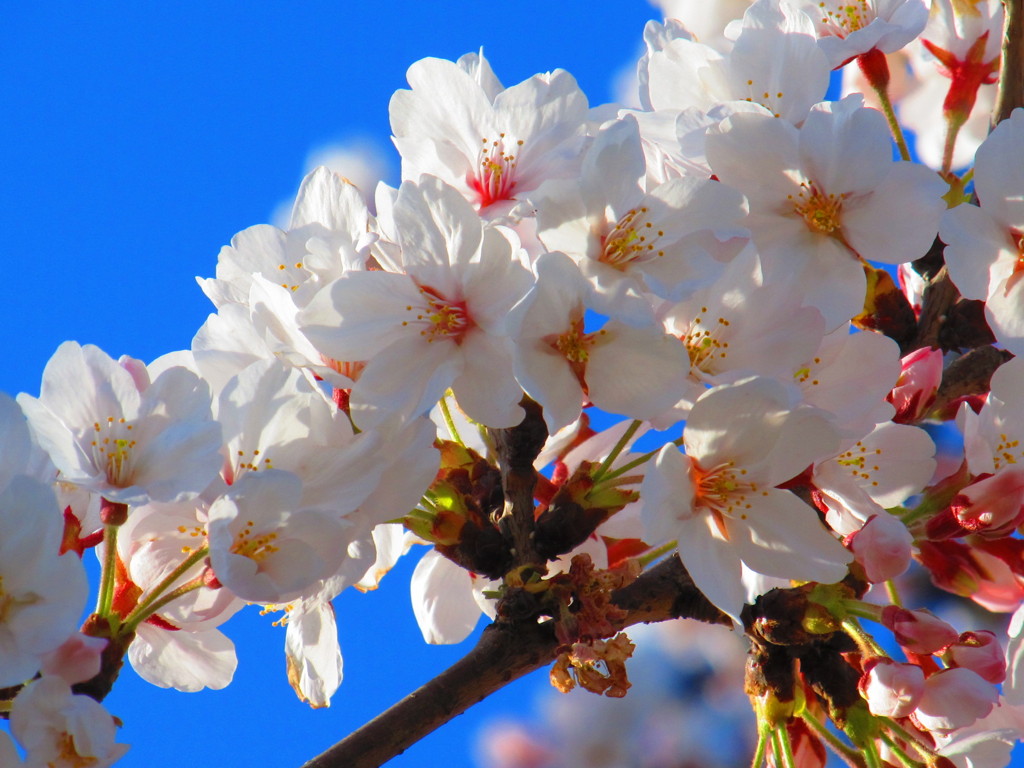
{"type": "Point", "coordinates": [980, 652]}
{"type": "Point", "coordinates": [917, 385]}
{"type": "Point", "coordinates": [76, 660]}
{"type": "Point", "coordinates": [882, 547]}
{"type": "Point", "coordinates": [918, 631]}
{"type": "Point", "coordinates": [954, 698]}
{"type": "Point", "coordinates": [891, 689]}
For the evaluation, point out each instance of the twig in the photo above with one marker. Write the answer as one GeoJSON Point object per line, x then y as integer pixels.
{"type": "Point", "coordinates": [517, 448]}
{"type": "Point", "coordinates": [1011, 73]}
{"type": "Point", "coordinates": [507, 651]}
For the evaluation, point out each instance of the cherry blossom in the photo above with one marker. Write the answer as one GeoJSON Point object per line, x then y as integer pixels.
{"type": "Point", "coordinates": [719, 503]}
{"type": "Point", "coordinates": [493, 145]}
{"type": "Point", "coordinates": [827, 196]}
{"type": "Point", "coordinates": [438, 324]}
{"type": "Point", "coordinates": [127, 442]}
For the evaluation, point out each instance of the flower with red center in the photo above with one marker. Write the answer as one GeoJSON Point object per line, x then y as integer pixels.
{"type": "Point", "coordinates": [493, 144]}
{"type": "Point", "coordinates": [438, 323]}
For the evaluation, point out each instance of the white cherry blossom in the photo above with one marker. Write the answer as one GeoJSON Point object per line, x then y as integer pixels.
{"type": "Point", "coordinates": [719, 503]}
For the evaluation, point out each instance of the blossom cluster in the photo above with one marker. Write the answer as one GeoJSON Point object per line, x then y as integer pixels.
{"type": "Point", "coordinates": [703, 272]}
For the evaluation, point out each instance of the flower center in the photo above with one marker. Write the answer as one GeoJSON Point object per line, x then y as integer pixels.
{"type": "Point", "coordinates": [819, 210]}
{"type": "Point", "coordinates": [704, 343]}
{"type": "Point", "coordinates": [1007, 452]}
{"type": "Point", "coordinates": [724, 491]}
{"type": "Point", "coordinates": [845, 18]}
{"type": "Point", "coordinates": [257, 547]}
{"type": "Point", "coordinates": [69, 754]}
{"type": "Point", "coordinates": [632, 240]}
{"type": "Point", "coordinates": [298, 273]}
{"type": "Point", "coordinates": [112, 448]}
{"type": "Point", "coordinates": [495, 173]}
{"type": "Point", "coordinates": [574, 345]}
{"type": "Point", "coordinates": [441, 318]}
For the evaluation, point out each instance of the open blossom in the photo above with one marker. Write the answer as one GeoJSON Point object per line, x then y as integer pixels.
{"type": "Point", "coordinates": [639, 372]}
{"type": "Point", "coordinates": [667, 241]}
{"type": "Point", "coordinates": [59, 729]}
{"type": "Point", "coordinates": [985, 243]}
{"type": "Point", "coordinates": [826, 197]}
{"type": "Point", "coordinates": [774, 64]}
{"type": "Point", "coordinates": [264, 547]}
{"type": "Point", "coordinates": [849, 28]}
{"type": "Point", "coordinates": [494, 145]}
{"type": "Point", "coordinates": [719, 502]}
{"type": "Point", "coordinates": [438, 324]}
{"type": "Point", "coordinates": [122, 436]}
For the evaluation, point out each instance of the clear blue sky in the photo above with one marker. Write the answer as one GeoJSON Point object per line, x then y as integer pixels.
{"type": "Point", "coordinates": [137, 138]}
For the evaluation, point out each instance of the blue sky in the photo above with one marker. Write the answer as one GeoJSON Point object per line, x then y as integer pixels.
{"type": "Point", "coordinates": [137, 138]}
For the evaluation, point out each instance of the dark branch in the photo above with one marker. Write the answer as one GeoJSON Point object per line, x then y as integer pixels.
{"type": "Point", "coordinates": [1011, 74]}
{"type": "Point", "coordinates": [517, 448]}
{"type": "Point", "coordinates": [507, 651]}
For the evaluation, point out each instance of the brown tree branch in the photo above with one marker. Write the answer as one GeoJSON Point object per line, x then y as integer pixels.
{"type": "Point", "coordinates": [517, 448]}
{"type": "Point", "coordinates": [1011, 73]}
{"type": "Point", "coordinates": [507, 651]}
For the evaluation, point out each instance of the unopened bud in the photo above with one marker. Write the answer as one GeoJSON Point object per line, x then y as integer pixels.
{"type": "Point", "coordinates": [882, 547]}
{"type": "Point", "coordinates": [980, 652]}
{"type": "Point", "coordinates": [919, 631]}
{"type": "Point", "coordinates": [891, 689]}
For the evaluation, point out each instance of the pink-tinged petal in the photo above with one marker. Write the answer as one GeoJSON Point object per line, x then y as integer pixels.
{"type": "Point", "coordinates": [755, 154]}
{"type": "Point", "coordinates": [442, 600]}
{"type": "Point", "coordinates": [805, 436]}
{"type": "Point", "coordinates": [638, 372]}
{"type": "Point", "coordinates": [955, 698]}
{"type": "Point", "coordinates": [883, 547]}
{"type": "Point", "coordinates": [486, 388]}
{"type": "Point", "coordinates": [899, 219]}
{"type": "Point", "coordinates": [845, 147]}
{"type": "Point", "coordinates": [892, 689]}
{"type": "Point", "coordinates": [975, 242]}
{"type": "Point", "coordinates": [15, 443]}
{"type": "Point", "coordinates": [185, 661]}
{"type": "Point", "coordinates": [781, 536]}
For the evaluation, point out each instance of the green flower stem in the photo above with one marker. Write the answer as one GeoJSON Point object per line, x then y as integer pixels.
{"type": "Point", "coordinates": [619, 446]}
{"type": "Point", "coordinates": [762, 743]}
{"type": "Point", "coordinates": [864, 641]}
{"type": "Point", "coordinates": [863, 610]}
{"type": "Point", "coordinates": [153, 601]}
{"type": "Point", "coordinates": [136, 617]}
{"type": "Point", "coordinates": [893, 593]}
{"type": "Point", "coordinates": [450, 422]}
{"type": "Point", "coordinates": [847, 754]}
{"type": "Point", "coordinates": [105, 596]}
{"type": "Point", "coordinates": [902, 733]}
{"type": "Point", "coordinates": [902, 756]}
{"type": "Point", "coordinates": [654, 554]}
{"type": "Point", "coordinates": [894, 125]}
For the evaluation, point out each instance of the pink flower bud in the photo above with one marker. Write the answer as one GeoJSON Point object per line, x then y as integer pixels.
{"type": "Point", "coordinates": [915, 389]}
{"type": "Point", "coordinates": [992, 504]}
{"type": "Point", "coordinates": [980, 652]}
{"type": "Point", "coordinates": [882, 547]}
{"type": "Point", "coordinates": [76, 660]}
{"type": "Point", "coordinates": [891, 689]}
{"type": "Point", "coordinates": [954, 698]}
{"type": "Point", "coordinates": [918, 631]}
